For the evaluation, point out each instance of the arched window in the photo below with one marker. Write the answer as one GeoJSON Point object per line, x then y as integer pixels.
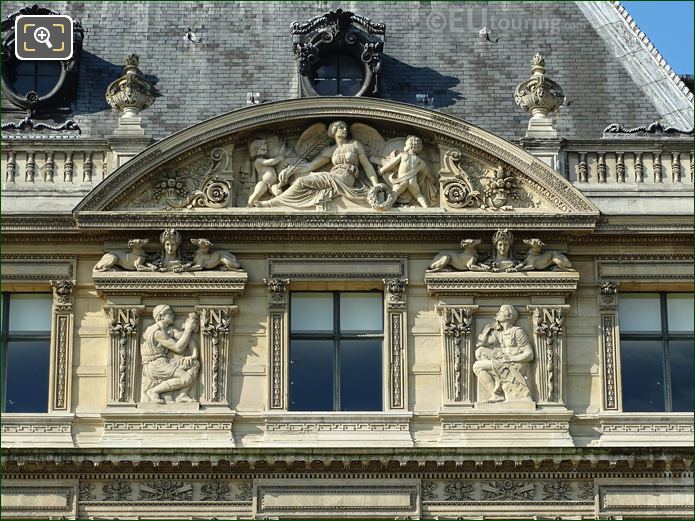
{"type": "Point", "coordinates": [339, 74]}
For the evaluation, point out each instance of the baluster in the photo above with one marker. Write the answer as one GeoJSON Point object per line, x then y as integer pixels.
{"type": "Point", "coordinates": [658, 174]}
{"type": "Point", "coordinates": [68, 168]}
{"type": "Point", "coordinates": [601, 168]}
{"type": "Point", "coordinates": [583, 172]}
{"type": "Point", "coordinates": [620, 167]}
{"type": "Point", "coordinates": [48, 170]}
{"type": "Point", "coordinates": [676, 167]}
{"type": "Point", "coordinates": [12, 166]}
{"type": "Point", "coordinates": [31, 168]}
{"type": "Point", "coordinates": [639, 168]}
{"type": "Point", "coordinates": [87, 168]}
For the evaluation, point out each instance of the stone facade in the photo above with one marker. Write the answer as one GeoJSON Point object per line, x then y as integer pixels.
{"type": "Point", "coordinates": [499, 264]}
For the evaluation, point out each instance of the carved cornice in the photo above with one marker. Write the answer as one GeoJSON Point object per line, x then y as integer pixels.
{"type": "Point", "coordinates": [195, 283]}
{"type": "Point", "coordinates": [483, 283]}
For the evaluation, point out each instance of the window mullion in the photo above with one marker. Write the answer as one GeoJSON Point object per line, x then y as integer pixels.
{"type": "Point", "coordinates": [336, 351]}
{"type": "Point", "coordinates": [667, 355]}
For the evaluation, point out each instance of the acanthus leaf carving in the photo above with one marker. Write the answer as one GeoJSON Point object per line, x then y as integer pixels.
{"type": "Point", "coordinates": [62, 295]}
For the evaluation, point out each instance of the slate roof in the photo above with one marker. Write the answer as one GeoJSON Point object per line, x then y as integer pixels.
{"type": "Point", "coordinates": [431, 47]}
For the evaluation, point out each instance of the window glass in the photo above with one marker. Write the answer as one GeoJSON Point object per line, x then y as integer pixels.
{"type": "Point", "coordinates": [339, 366]}
{"type": "Point", "coordinates": [680, 311]}
{"type": "Point", "coordinates": [360, 375]}
{"type": "Point", "coordinates": [30, 313]}
{"type": "Point", "coordinates": [642, 376]}
{"type": "Point", "coordinates": [339, 74]}
{"type": "Point", "coordinates": [361, 312]}
{"type": "Point", "coordinates": [40, 77]}
{"type": "Point", "coordinates": [26, 380]}
{"type": "Point", "coordinates": [640, 312]}
{"type": "Point", "coordinates": [311, 312]}
{"type": "Point", "coordinates": [681, 362]}
{"type": "Point", "coordinates": [311, 375]}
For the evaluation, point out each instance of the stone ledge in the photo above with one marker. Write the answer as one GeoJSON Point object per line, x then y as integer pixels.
{"type": "Point", "coordinates": [479, 283]}
{"type": "Point", "coordinates": [168, 429]}
{"type": "Point", "coordinates": [660, 429]}
{"type": "Point", "coordinates": [473, 428]}
{"type": "Point", "coordinates": [338, 429]}
{"type": "Point", "coordinates": [36, 430]}
{"type": "Point", "coordinates": [191, 283]}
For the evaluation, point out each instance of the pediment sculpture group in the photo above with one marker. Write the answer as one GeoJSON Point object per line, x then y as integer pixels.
{"type": "Point", "coordinates": [170, 360]}
{"type": "Point", "coordinates": [326, 163]}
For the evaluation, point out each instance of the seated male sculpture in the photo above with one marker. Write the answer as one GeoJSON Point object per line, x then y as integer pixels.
{"type": "Point", "coordinates": [504, 355]}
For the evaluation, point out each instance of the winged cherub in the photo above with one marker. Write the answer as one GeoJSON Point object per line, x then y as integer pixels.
{"type": "Point", "coordinates": [410, 167]}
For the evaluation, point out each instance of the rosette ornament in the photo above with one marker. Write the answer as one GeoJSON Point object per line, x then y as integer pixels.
{"type": "Point", "coordinates": [131, 93]}
{"type": "Point", "coordinates": [540, 96]}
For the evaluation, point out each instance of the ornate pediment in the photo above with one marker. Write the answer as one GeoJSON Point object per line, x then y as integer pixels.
{"type": "Point", "coordinates": [380, 163]}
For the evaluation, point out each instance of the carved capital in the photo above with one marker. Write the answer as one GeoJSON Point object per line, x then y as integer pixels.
{"type": "Point", "coordinates": [62, 295]}
{"type": "Point", "coordinates": [277, 292]}
{"type": "Point", "coordinates": [395, 293]}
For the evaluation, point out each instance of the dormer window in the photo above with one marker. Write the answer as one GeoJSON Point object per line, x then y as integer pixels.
{"type": "Point", "coordinates": [338, 54]}
{"type": "Point", "coordinates": [42, 88]}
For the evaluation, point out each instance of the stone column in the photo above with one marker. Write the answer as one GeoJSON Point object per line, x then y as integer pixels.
{"type": "Point", "coordinates": [396, 344]}
{"type": "Point", "coordinates": [457, 357]}
{"type": "Point", "coordinates": [215, 330]}
{"type": "Point", "coordinates": [278, 348]}
{"type": "Point", "coordinates": [549, 336]}
{"type": "Point", "coordinates": [608, 295]}
{"type": "Point", "coordinates": [124, 329]}
{"type": "Point", "coordinates": [61, 344]}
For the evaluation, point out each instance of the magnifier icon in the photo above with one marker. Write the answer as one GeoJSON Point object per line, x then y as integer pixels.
{"type": "Point", "coordinates": [43, 35]}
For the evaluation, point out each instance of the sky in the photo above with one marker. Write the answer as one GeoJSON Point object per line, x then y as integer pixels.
{"type": "Point", "coordinates": [669, 25]}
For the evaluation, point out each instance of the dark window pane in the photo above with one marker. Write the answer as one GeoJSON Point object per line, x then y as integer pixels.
{"type": "Point", "coordinates": [326, 87]}
{"type": "Point", "coordinates": [311, 375]}
{"type": "Point", "coordinates": [642, 376]}
{"type": "Point", "coordinates": [681, 354]}
{"type": "Point", "coordinates": [360, 375]}
{"type": "Point", "coordinates": [40, 77]}
{"type": "Point", "coordinates": [26, 372]}
{"type": "Point", "coordinates": [339, 73]}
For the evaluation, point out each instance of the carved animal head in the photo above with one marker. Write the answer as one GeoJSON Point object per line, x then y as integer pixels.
{"type": "Point", "coordinates": [469, 243]}
{"type": "Point", "coordinates": [203, 244]}
{"type": "Point", "coordinates": [534, 244]}
{"type": "Point", "coordinates": [137, 244]}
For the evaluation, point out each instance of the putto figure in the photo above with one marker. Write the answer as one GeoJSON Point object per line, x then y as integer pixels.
{"type": "Point", "coordinates": [169, 357]}
{"type": "Point", "coordinates": [264, 167]}
{"type": "Point", "coordinates": [412, 170]}
{"type": "Point", "coordinates": [504, 355]}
